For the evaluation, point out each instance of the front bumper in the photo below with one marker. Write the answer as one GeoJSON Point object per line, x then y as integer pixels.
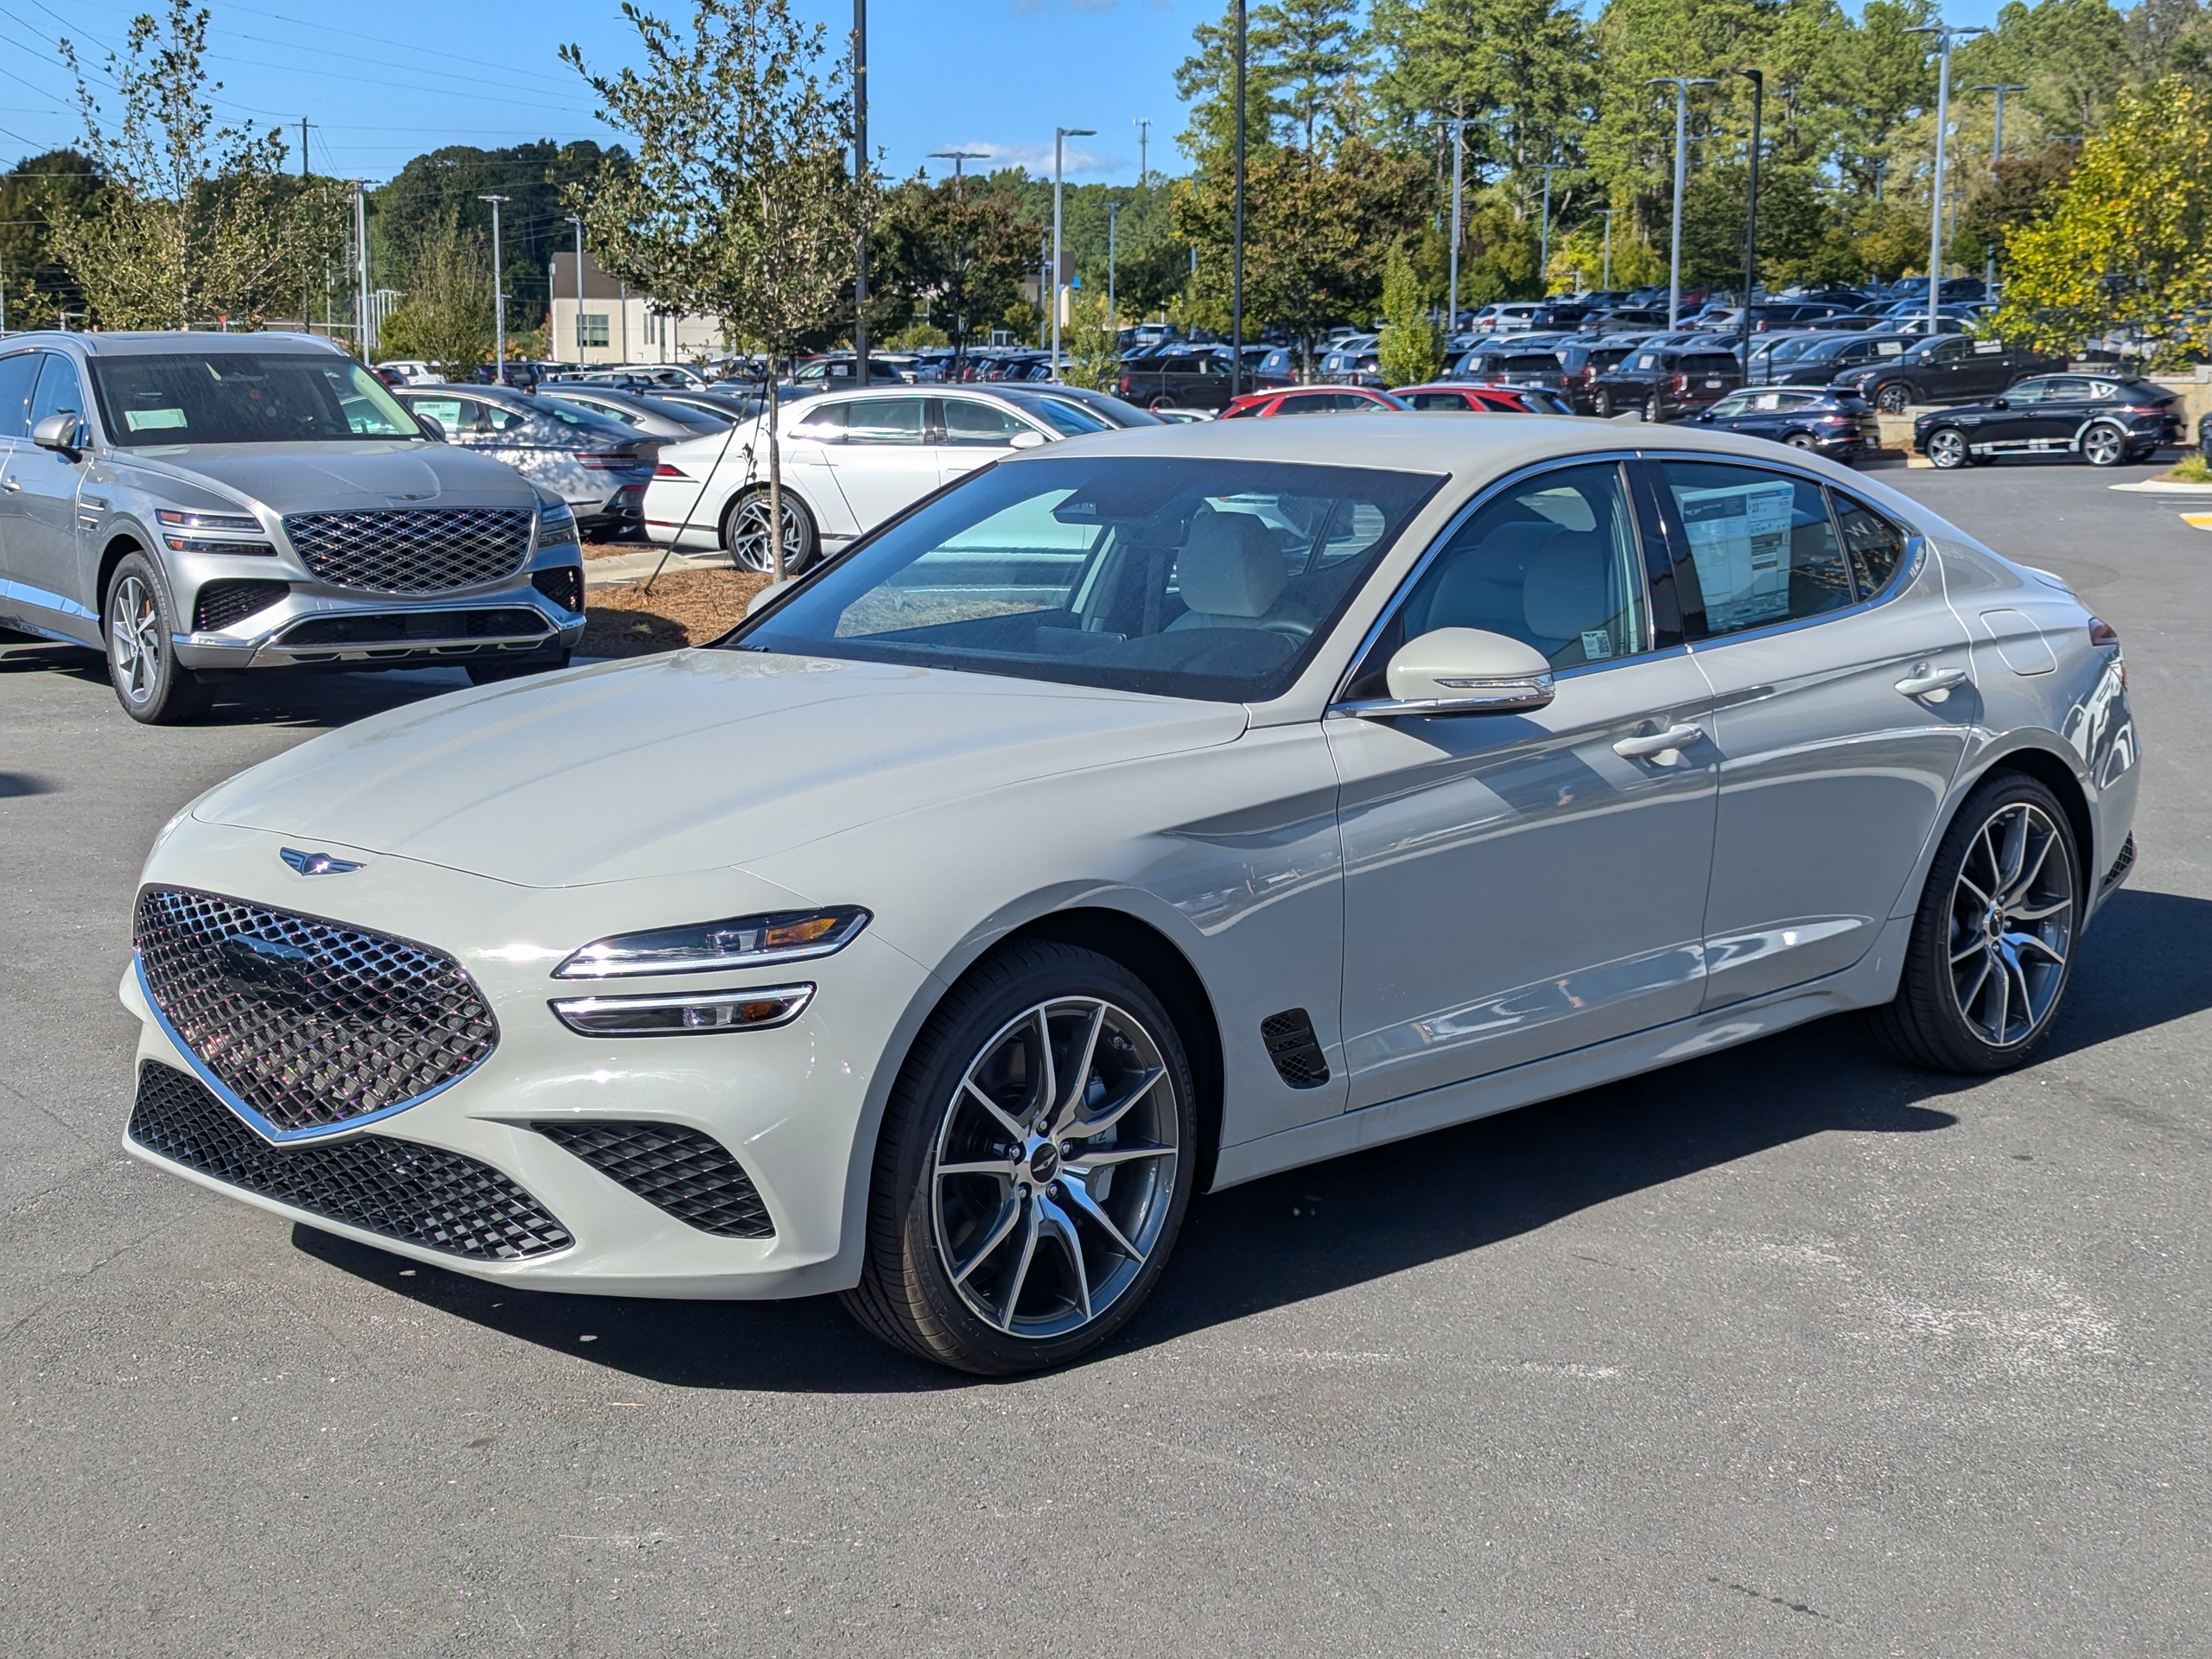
{"type": "Point", "coordinates": [794, 1105]}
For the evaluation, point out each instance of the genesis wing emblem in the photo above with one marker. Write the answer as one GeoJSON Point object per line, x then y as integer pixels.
{"type": "Point", "coordinates": [317, 863]}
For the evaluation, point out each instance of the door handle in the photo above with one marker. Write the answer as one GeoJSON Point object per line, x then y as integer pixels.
{"type": "Point", "coordinates": [1658, 744]}
{"type": "Point", "coordinates": [1925, 681]}
{"type": "Point", "coordinates": [12, 485]}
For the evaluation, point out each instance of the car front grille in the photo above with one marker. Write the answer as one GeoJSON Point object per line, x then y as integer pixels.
{"type": "Point", "coordinates": [690, 1175]}
{"type": "Point", "coordinates": [369, 629]}
{"type": "Point", "coordinates": [427, 1196]}
{"type": "Point", "coordinates": [310, 1023]}
{"type": "Point", "coordinates": [412, 550]}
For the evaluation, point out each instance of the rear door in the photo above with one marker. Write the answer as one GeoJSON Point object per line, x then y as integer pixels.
{"type": "Point", "coordinates": [38, 513]}
{"type": "Point", "coordinates": [18, 379]}
{"type": "Point", "coordinates": [889, 458]}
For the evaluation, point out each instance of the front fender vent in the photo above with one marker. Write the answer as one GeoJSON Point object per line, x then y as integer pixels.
{"type": "Point", "coordinates": [1294, 1049]}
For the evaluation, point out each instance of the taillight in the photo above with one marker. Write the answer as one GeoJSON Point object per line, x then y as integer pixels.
{"type": "Point", "coordinates": [664, 471]}
{"type": "Point", "coordinates": [2102, 633]}
{"type": "Point", "coordinates": [602, 463]}
{"type": "Point", "coordinates": [1682, 383]}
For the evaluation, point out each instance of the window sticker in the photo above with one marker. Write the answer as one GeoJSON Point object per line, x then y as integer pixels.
{"type": "Point", "coordinates": [1596, 645]}
{"type": "Point", "coordinates": [152, 420]}
{"type": "Point", "coordinates": [1739, 541]}
{"type": "Point", "coordinates": [1889, 348]}
{"type": "Point", "coordinates": [1988, 347]}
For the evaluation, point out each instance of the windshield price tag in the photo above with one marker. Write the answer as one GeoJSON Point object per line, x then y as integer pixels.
{"type": "Point", "coordinates": [1889, 348]}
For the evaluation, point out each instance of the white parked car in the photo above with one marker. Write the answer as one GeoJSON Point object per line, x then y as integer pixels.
{"type": "Point", "coordinates": [1155, 812]}
{"type": "Point", "coordinates": [849, 462]}
{"type": "Point", "coordinates": [410, 372]}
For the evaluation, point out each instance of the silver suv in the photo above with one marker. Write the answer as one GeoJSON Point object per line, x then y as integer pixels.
{"type": "Point", "coordinates": [200, 506]}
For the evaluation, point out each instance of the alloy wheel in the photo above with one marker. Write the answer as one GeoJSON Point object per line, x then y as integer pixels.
{"type": "Point", "coordinates": [2103, 446]}
{"type": "Point", "coordinates": [1946, 448]}
{"type": "Point", "coordinates": [134, 629]}
{"type": "Point", "coordinates": [1891, 400]}
{"type": "Point", "coordinates": [1054, 1168]}
{"type": "Point", "coordinates": [748, 535]}
{"type": "Point", "coordinates": [2012, 924]}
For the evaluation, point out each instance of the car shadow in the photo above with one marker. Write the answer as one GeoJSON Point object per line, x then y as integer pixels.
{"type": "Point", "coordinates": [1334, 1226]}
{"type": "Point", "coordinates": [315, 702]}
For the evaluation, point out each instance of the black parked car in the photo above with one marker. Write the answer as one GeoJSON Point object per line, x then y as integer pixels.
{"type": "Point", "coordinates": [1186, 380]}
{"type": "Point", "coordinates": [1945, 369]}
{"type": "Point", "coordinates": [1804, 418]}
{"type": "Point", "coordinates": [1511, 363]}
{"type": "Point", "coordinates": [1584, 361]}
{"type": "Point", "coordinates": [1666, 381]}
{"type": "Point", "coordinates": [2103, 419]}
{"type": "Point", "coordinates": [1824, 360]}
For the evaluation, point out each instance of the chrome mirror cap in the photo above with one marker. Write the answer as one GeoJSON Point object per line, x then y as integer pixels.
{"type": "Point", "coordinates": [62, 431]}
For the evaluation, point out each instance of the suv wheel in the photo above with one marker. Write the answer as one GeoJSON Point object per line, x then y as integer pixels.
{"type": "Point", "coordinates": [1036, 1160]}
{"type": "Point", "coordinates": [1992, 948]}
{"type": "Point", "coordinates": [1162, 402]}
{"type": "Point", "coordinates": [1946, 448]}
{"type": "Point", "coordinates": [1601, 403]}
{"type": "Point", "coordinates": [1652, 412]}
{"type": "Point", "coordinates": [744, 533]}
{"type": "Point", "coordinates": [1892, 399]}
{"type": "Point", "coordinates": [2104, 445]}
{"type": "Point", "coordinates": [153, 687]}
{"type": "Point", "coordinates": [1801, 440]}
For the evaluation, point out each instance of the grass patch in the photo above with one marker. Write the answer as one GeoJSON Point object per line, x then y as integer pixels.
{"type": "Point", "coordinates": [2192, 469]}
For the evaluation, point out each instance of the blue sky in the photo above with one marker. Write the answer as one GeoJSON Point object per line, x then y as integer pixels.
{"type": "Point", "coordinates": [386, 82]}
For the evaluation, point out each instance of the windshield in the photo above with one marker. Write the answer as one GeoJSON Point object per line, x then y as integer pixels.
{"type": "Point", "coordinates": [243, 398]}
{"type": "Point", "coordinates": [1176, 577]}
{"type": "Point", "coordinates": [1069, 420]}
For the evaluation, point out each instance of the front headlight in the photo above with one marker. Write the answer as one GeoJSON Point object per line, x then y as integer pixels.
{"type": "Point", "coordinates": [556, 525]}
{"type": "Point", "coordinates": [708, 947]}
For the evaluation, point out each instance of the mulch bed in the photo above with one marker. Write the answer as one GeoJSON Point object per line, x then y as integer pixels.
{"type": "Point", "coordinates": [685, 607]}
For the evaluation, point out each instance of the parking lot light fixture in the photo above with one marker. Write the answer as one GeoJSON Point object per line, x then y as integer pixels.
{"type": "Point", "coordinates": [1750, 221]}
{"type": "Point", "coordinates": [1944, 33]}
{"type": "Point", "coordinates": [1682, 84]}
{"type": "Point", "coordinates": [499, 300]}
{"type": "Point", "coordinates": [1456, 126]}
{"type": "Point", "coordinates": [1606, 282]}
{"type": "Point", "coordinates": [1060, 136]}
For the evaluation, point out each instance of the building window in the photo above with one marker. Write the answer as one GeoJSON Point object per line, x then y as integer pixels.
{"type": "Point", "coordinates": [591, 328]}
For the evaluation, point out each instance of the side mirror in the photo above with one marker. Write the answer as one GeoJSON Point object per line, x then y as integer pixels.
{"type": "Point", "coordinates": [2000, 402]}
{"type": "Point", "coordinates": [1028, 441]}
{"type": "Point", "coordinates": [761, 600]}
{"type": "Point", "coordinates": [433, 428]}
{"type": "Point", "coordinates": [1463, 671]}
{"type": "Point", "coordinates": [63, 432]}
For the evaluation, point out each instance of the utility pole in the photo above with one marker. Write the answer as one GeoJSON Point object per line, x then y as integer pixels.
{"type": "Point", "coordinates": [1544, 226]}
{"type": "Point", "coordinates": [1113, 314]}
{"type": "Point", "coordinates": [1997, 139]}
{"type": "Point", "coordinates": [1455, 125]}
{"type": "Point", "coordinates": [1143, 124]}
{"type": "Point", "coordinates": [577, 219]}
{"type": "Point", "coordinates": [1060, 136]}
{"type": "Point", "coordinates": [1044, 286]}
{"type": "Point", "coordinates": [1750, 220]}
{"type": "Point", "coordinates": [1682, 84]}
{"type": "Point", "coordinates": [859, 191]}
{"type": "Point", "coordinates": [1236, 240]}
{"type": "Point", "coordinates": [361, 269]}
{"type": "Point", "coordinates": [307, 323]}
{"type": "Point", "coordinates": [1605, 282]}
{"type": "Point", "coordinates": [1944, 33]}
{"type": "Point", "coordinates": [499, 299]}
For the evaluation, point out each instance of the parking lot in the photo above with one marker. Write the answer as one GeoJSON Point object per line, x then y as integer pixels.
{"type": "Point", "coordinates": [1783, 1351]}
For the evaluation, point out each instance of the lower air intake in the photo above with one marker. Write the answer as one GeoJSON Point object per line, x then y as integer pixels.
{"type": "Point", "coordinates": [689, 1174]}
{"type": "Point", "coordinates": [419, 1195]}
{"type": "Point", "coordinates": [1294, 1049]}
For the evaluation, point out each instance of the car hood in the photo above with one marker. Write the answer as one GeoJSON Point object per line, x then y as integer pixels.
{"type": "Point", "coordinates": [695, 760]}
{"type": "Point", "coordinates": [338, 477]}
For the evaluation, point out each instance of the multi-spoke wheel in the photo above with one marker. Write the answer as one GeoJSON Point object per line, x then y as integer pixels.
{"type": "Point", "coordinates": [1034, 1165]}
{"type": "Point", "coordinates": [1993, 945]}
{"type": "Point", "coordinates": [2104, 445]}
{"type": "Point", "coordinates": [1947, 449]}
{"type": "Point", "coordinates": [152, 686]}
{"type": "Point", "coordinates": [744, 533]}
{"type": "Point", "coordinates": [1893, 399]}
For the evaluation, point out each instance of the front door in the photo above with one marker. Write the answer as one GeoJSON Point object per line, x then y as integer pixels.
{"type": "Point", "coordinates": [1520, 885]}
{"type": "Point", "coordinates": [974, 434]}
{"type": "Point", "coordinates": [18, 379]}
{"type": "Point", "coordinates": [1832, 766]}
{"type": "Point", "coordinates": [38, 514]}
{"type": "Point", "coordinates": [887, 460]}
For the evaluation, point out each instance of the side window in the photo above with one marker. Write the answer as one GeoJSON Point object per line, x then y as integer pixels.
{"type": "Point", "coordinates": [18, 374]}
{"type": "Point", "coordinates": [1763, 545]}
{"type": "Point", "coordinates": [886, 421]}
{"type": "Point", "coordinates": [2029, 392]}
{"type": "Point", "coordinates": [446, 412]}
{"type": "Point", "coordinates": [824, 425]}
{"type": "Point", "coordinates": [497, 417]}
{"type": "Point", "coordinates": [60, 390]}
{"type": "Point", "coordinates": [471, 417]}
{"type": "Point", "coordinates": [979, 424]}
{"type": "Point", "coordinates": [1876, 545]}
{"type": "Point", "coordinates": [1553, 562]}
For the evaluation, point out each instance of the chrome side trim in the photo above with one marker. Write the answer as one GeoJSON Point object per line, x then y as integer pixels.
{"type": "Point", "coordinates": [24, 593]}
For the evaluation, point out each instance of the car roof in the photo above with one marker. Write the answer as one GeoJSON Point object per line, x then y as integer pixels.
{"type": "Point", "coordinates": [164, 343]}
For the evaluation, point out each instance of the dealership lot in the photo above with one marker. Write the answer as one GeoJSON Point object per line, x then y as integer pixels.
{"type": "Point", "coordinates": [1783, 1352]}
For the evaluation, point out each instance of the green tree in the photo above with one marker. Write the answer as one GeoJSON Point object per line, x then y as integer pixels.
{"type": "Point", "coordinates": [1411, 349]}
{"type": "Point", "coordinates": [192, 222]}
{"type": "Point", "coordinates": [1311, 48]}
{"type": "Point", "coordinates": [38, 286]}
{"type": "Point", "coordinates": [1089, 342]}
{"type": "Point", "coordinates": [953, 253]}
{"type": "Point", "coordinates": [2022, 192]}
{"type": "Point", "coordinates": [740, 203]}
{"type": "Point", "coordinates": [1206, 81]}
{"type": "Point", "coordinates": [446, 318]}
{"type": "Point", "coordinates": [1519, 70]}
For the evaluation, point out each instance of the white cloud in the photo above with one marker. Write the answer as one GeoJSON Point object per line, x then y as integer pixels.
{"type": "Point", "coordinates": [1037, 158]}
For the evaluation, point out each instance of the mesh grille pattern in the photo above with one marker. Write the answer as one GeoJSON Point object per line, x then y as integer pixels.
{"type": "Point", "coordinates": [220, 604]}
{"type": "Point", "coordinates": [1294, 1049]}
{"type": "Point", "coordinates": [689, 1174]}
{"type": "Point", "coordinates": [421, 1195]}
{"type": "Point", "coordinates": [563, 584]}
{"type": "Point", "coordinates": [412, 550]}
{"type": "Point", "coordinates": [309, 1022]}
{"type": "Point", "coordinates": [516, 622]}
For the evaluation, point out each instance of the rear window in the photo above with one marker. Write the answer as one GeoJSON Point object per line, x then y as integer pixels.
{"type": "Point", "coordinates": [1531, 362]}
{"type": "Point", "coordinates": [1708, 363]}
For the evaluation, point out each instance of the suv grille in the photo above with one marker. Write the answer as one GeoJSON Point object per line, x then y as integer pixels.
{"type": "Point", "coordinates": [689, 1174]}
{"type": "Point", "coordinates": [412, 550]}
{"type": "Point", "coordinates": [421, 1195]}
{"type": "Point", "coordinates": [310, 1023]}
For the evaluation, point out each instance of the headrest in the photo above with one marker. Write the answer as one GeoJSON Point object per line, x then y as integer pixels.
{"type": "Point", "coordinates": [1231, 566]}
{"type": "Point", "coordinates": [1567, 590]}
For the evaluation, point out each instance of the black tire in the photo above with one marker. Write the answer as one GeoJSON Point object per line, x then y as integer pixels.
{"type": "Point", "coordinates": [1653, 413]}
{"type": "Point", "coordinates": [2104, 444]}
{"type": "Point", "coordinates": [1892, 399]}
{"type": "Point", "coordinates": [1924, 1024]}
{"type": "Point", "coordinates": [1162, 402]}
{"type": "Point", "coordinates": [492, 673]}
{"type": "Point", "coordinates": [153, 687]}
{"type": "Point", "coordinates": [1601, 403]}
{"type": "Point", "coordinates": [1946, 448]}
{"type": "Point", "coordinates": [908, 1295]}
{"type": "Point", "coordinates": [748, 549]}
{"type": "Point", "coordinates": [1801, 440]}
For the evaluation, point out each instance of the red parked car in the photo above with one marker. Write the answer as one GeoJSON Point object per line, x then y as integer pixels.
{"type": "Point", "coordinates": [1310, 400]}
{"type": "Point", "coordinates": [1484, 396]}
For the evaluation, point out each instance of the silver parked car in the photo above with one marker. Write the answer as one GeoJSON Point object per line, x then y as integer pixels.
{"type": "Point", "coordinates": [598, 466]}
{"type": "Point", "coordinates": [200, 506]}
{"type": "Point", "coordinates": [649, 417]}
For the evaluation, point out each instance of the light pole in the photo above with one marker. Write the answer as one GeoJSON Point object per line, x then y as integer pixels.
{"type": "Point", "coordinates": [1544, 227]}
{"type": "Point", "coordinates": [859, 192]}
{"type": "Point", "coordinates": [1455, 125]}
{"type": "Point", "coordinates": [1944, 33]}
{"type": "Point", "coordinates": [577, 219]}
{"type": "Point", "coordinates": [1750, 218]}
{"type": "Point", "coordinates": [499, 299]}
{"type": "Point", "coordinates": [1997, 139]}
{"type": "Point", "coordinates": [1682, 84]}
{"type": "Point", "coordinates": [1143, 124]}
{"type": "Point", "coordinates": [1605, 282]}
{"type": "Point", "coordinates": [1060, 136]}
{"type": "Point", "coordinates": [361, 268]}
{"type": "Point", "coordinates": [1237, 231]}
{"type": "Point", "coordinates": [959, 158]}
{"type": "Point", "coordinates": [1114, 316]}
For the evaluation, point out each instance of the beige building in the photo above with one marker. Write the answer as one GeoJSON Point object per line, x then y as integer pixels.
{"type": "Point", "coordinates": [612, 325]}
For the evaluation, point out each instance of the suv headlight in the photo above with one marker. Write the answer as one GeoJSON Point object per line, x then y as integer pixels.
{"type": "Point", "coordinates": [708, 947]}
{"type": "Point", "coordinates": [556, 525]}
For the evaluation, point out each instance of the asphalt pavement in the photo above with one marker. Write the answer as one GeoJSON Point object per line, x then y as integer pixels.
{"type": "Point", "coordinates": [1783, 1351]}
